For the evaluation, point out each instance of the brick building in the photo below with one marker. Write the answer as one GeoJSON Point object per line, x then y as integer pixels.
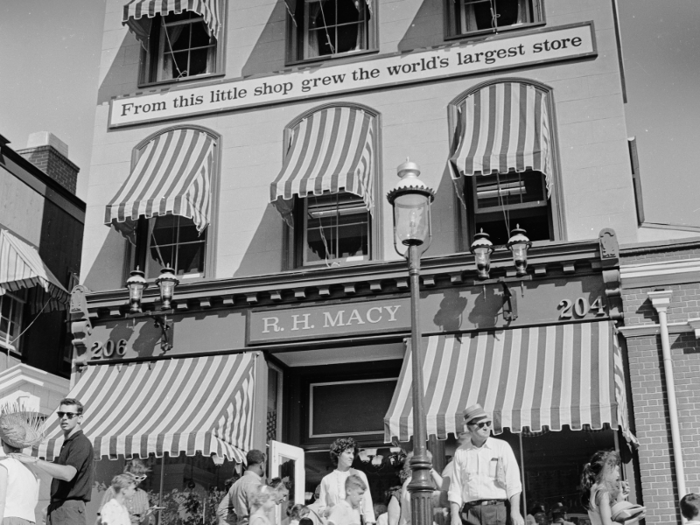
{"type": "Point", "coordinates": [247, 147]}
{"type": "Point", "coordinates": [662, 279]}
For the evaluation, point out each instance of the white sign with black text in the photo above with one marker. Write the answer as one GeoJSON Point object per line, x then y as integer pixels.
{"type": "Point", "coordinates": [541, 46]}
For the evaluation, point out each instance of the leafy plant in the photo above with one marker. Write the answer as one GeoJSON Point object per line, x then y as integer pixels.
{"type": "Point", "coordinates": [188, 507]}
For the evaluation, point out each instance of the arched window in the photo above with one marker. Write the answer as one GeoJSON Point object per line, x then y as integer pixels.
{"type": "Point", "coordinates": [327, 186]}
{"type": "Point", "coordinates": [504, 160]}
{"type": "Point", "coordinates": [164, 206]}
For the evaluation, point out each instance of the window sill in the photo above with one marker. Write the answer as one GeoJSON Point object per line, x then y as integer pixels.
{"type": "Point", "coordinates": [337, 263]}
{"type": "Point", "coordinates": [485, 34]}
{"type": "Point", "coordinates": [334, 58]}
{"type": "Point", "coordinates": [187, 80]}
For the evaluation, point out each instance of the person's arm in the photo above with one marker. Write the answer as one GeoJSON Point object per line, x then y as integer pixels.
{"type": "Point", "coordinates": [454, 494]}
{"type": "Point", "coordinates": [437, 478]}
{"type": "Point", "coordinates": [62, 472]}
{"type": "Point", "coordinates": [515, 517]}
{"type": "Point", "coordinates": [3, 490]}
{"type": "Point", "coordinates": [603, 502]}
{"type": "Point", "coordinates": [222, 510]}
{"type": "Point", "coordinates": [367, 505]}
{"type": "Point", "coordinates": [393, 511]}
{"type": "Point", "coordinates": [323, 496]}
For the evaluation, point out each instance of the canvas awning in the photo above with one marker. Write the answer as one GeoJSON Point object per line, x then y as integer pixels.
{"type": "Point", "coordinates": [330, 151]}
{"type": "Point", "coordinates": [527, 378]}
{"type": "Point", "coordinates": [21, 267]}
{"type": "Point", "coordinates": [201, 404]}
{"type": "Point", "coordinates": [139, 13]}
{"type": "Point", "coordinates": [172, 176]}
{"type": "Point", "coordinates": [503, 128]}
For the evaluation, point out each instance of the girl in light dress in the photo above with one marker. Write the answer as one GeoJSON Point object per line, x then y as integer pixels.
{"type": "Point", "coordinates": [601, 487]}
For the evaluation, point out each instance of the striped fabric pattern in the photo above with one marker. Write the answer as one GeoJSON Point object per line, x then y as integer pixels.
{"type": "Point", "coordinates": [172, 176]}
{"type": "Point", "coordinates": [330, 151]}
{"type": "Point", "coordinates": [138, 14]}
{"type": "Point", "coordinates": [21, 268]}
{"type": "Point", "coordinates": [504, 127]}
{"type": "Point", "coordinates": [527, 378]}
{"type": "Point", "coordinates": [201, 404]}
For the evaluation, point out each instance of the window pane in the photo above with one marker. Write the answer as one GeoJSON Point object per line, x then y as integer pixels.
{"type": "Point", "coordinates": [179, 38]}
{"type": "Point", "coordinates": [190, 258]}
{"type": "Point", "coordinates": [494, 191]}
{"type": "Point", "coordinates": [480, 15]}
{"type": "Point", "coordinates": [332, 27]}
{"type": "Point", "coordinates": [198, 61]}
{"type": "Point", "coordinates": [200, 37]}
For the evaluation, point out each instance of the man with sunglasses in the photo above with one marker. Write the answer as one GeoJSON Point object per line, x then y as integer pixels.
{"type": "Point", "coordinates": [485, 486]}
{"type": "Point", "coordinates": [72, 471]}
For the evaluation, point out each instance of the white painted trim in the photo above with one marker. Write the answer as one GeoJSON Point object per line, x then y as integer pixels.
{"type": "Point", "coordinates": [660, 273]}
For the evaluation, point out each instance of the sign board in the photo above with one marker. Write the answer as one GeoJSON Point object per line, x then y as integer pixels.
{"type": "Point", "coordinates": [328, 321]}
{"type": "Point", "coordinates": [547, 45]}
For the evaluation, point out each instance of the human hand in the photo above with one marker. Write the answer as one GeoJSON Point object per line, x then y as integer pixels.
{"type": "Point", "coordinates": [29, 460]}
{"type": "Point", "coordinates": [624, 489]}
{"type": "Point", "coordinates": [516, 518]}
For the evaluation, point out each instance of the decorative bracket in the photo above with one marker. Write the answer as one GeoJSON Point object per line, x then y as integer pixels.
{"type": "Point", "coordinates": [160, 320]}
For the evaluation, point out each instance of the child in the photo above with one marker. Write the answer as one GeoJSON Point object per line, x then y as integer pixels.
{"type": "Point", "coordinates": [347, 511]}
{"type": "Point", "coordinates": [601, 487]}
{"type": "Point", "coordinates": [690, 508]}
{"type": "Point", "coordinates": [114, 512]}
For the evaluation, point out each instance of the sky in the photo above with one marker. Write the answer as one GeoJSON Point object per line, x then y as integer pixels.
{"type": "Point", "coordinates": [49, 68]}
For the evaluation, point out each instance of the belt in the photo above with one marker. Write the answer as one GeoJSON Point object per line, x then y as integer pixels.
{"type": "Point", "coordinates": [481, 502]}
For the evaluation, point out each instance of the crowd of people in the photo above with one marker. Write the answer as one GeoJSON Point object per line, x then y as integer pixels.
{"type": "Point", "coordinates": [480, 486]}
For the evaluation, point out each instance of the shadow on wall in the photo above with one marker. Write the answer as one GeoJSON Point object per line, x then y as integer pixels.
{"type": "Point", "coordinates": [426, 28]}
{"type": "Point", "coordinates": [122, 77]}
{"type": "Point", "coordinates": [108, 270]}
{"type": "Point", "coordinates": [265, 252]}
{"type": "Point", "coordinates": [445, 217]}
{"type": "Point", "coordinates": [268, 53]}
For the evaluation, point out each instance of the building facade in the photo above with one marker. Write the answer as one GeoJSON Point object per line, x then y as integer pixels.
{"type": "Point", "coordinates": [248, 147]}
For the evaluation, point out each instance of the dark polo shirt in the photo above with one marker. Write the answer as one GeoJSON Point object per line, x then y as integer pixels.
{"type": "Point", "coordinates": [76, 452]}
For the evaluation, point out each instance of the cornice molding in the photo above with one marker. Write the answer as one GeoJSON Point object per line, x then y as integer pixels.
{"type": "Point", "coordinates": [375, 278]}
{"type": "Point", "coordinates": [660, 273]}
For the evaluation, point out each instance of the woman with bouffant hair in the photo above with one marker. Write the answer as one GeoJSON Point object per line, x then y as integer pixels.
{"type": "Point", "coordinates": [262, 505]}
{"type": "Point", "coordinates": [601, 486]}
{"type": "Point", "coordinates": [343, 451]}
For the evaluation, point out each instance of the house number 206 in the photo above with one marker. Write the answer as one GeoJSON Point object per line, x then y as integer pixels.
{"type": "Point", "coordinates": [579, 307]}
{"type": "Point", "coordinates": [109, 349]}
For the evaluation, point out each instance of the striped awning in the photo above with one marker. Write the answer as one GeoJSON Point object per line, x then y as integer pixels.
{"type": "Point", "coordinates": [202, 404]}
{"type": "Point", "coordinates": [21, 268]}
{"type": "Point", "coordinates": [172, 176]}
{"type": "Point", "coordinates": [527, 378]}
{"type": "Point", "coordinates": [138, 14]}
{"type": "Point", "coordinates": [503, 128]}
{"type": "Point", "coordinates": [330, 151]}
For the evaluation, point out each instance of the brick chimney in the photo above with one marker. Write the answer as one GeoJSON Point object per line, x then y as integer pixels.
{"type": "Point", "coordinates": [50, 154]}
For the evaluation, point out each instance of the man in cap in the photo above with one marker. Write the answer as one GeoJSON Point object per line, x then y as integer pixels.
{"type": "Point", "coordinates": [237, 500]}
{"type": "Point", "coordinates": [72, 472]}
{"type": "Point", "coordinates": [485, 486]}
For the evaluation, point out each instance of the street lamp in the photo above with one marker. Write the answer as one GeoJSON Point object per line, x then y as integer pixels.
{"type": "Point", "coordinates": [482, 248]}
{"type": "Point", "coordinates": [519, 244]}
{"type": "Point", "coordinates": [166, 281]}
{"type": "Point", "coordinates": [411, 200]}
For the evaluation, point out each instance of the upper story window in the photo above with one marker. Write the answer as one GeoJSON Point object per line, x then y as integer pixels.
{"type": "Point", "coordinates": [329, 28]}
{"type": "Point", "coordinates": [469, 17]}
{"type": "Point", "coordinates": [11, 308]}
{"type": "Point", "coordinates": [325, 190]}
{"type": "Point", "coordinates": [164, 205]}
{"type": "Point", "coordinates": [504, 161]}
{"type": "Point", "coordinates": [337, 227]}
{"type": "Point", "coordinates": [180, 41]}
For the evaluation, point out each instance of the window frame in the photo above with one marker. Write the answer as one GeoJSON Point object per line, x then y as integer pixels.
{"type": "Point", "coordinates": [452, 11]}
{"type": "Point", "coordinates": [148, 67]}
{"type": "Point", "coordinates": [18, 302]}
{"type": "Point", "coordinates": [292, 239]}
{"type": "Point", "coordinates": [466, 225]}
{"type": "Point", "coordinates": [136, 253]}
{"type": "Point", "coordinates": [294, 26]}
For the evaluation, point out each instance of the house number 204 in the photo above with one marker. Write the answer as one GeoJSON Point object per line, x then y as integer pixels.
{"type": "Point", "coordinates": [580, 307]}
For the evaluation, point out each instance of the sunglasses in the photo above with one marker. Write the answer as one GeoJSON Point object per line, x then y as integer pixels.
{"type": "Point", "coordinates": [482, 424]}
{"type": "Point", "coordinates": [69, 415]}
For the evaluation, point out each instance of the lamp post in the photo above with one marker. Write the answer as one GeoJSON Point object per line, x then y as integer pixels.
{"type": "Point", "coordinates": [411, 200]}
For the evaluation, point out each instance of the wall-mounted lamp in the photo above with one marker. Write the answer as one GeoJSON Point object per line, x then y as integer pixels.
{"type": "Point", "coordinates": [519, 244]}
{"type": "Point", "coordinates": [166, 281]}
{"type": "Point", "coordinates": [482, 248]}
